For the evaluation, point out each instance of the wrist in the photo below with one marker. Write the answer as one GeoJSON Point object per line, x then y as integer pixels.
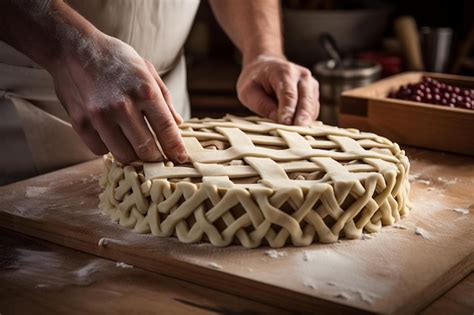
{"type": "Point", "coordinates": [252, 55]}
{"type": "Point", "coordinates": [73, 37]}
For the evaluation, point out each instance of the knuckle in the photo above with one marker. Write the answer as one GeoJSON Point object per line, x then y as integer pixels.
{"type": "Point", "coordinates": [81, 123]}
{"type": "Point", "coordinates": [104, 110]}
{"type": "Point", "coordinates": [284, 70]}
{"type": "Point", "coordinates": [97, 112]}
{"type": "Point", "coordinates": [146, 91]}
{"type": "Point", "coordinates": [165, 125]}
{"type": "Point", "coordinates": [174, 144]}
{"type": "Point", "coordinates": [305, 73]}
{"type": "Point", "coordinates": [145, 149]}
{"type": "Point", "coordinates": [286, 67]}
{"type": "Point", "coordinates": [119, 106]}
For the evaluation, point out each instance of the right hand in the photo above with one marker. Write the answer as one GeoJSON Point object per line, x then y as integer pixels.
{"type": "Point", "coordinates": [108, 90]}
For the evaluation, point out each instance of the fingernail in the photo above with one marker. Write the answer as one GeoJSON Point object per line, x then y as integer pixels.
{"type": "Point", "coordinates": [183, 158]}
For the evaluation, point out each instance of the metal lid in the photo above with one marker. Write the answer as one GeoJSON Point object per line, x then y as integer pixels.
{"type": "Point", "coordinates": [351, 69]}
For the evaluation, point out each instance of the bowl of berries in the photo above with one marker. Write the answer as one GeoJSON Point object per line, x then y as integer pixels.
{"type": "Point", "coordinates": [428, 110]}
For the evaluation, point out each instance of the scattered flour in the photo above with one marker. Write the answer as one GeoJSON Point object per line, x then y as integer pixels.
{"type": "Point", "coordinates": [123, 265]}
{"type": "Point", "coordinates": [365, 297]}
{"type": "Point", "coordinates": [342, 296]}
{"type": "Point", "coordinates": [306, 256]}
{"type": "Point", "coordinates": [32, 191]}
{"type": "Point", "coordinates": [448, 181]}
{"type": "Point", "coordinates": [213, 265]}
{"type": "Point", "coordinates": [275, 254]}
{"type": "Point", "coordinates": [400, 226]}
{"type": "Point", "coordinates": [423, 181]}
{"type": "Point", "coordinates": [461, 210]}
{"type": "Point", "coordinates": [366, 236]}
{"type": "Point", "coordinates": [85, 275]}
{"type": "Point", "coordinates": [423, 233]}
{"type": "Point", "coordinates": [309, 284]}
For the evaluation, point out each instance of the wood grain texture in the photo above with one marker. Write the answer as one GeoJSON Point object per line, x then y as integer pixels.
{"type": "Point", "coordinates": [394, 271]}
{"type": "Point", "coordinates": [459, 300]}
{"type": "Point", "coordinates": [39, 277]}
{"type": "Point", "coordinates": [406, 122]}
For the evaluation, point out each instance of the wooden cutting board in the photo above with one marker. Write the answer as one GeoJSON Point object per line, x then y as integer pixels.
{"type": "Point", "coordinates": [399, 270]}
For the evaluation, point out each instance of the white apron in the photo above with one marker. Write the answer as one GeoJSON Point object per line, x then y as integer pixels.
{"type": "Point", "coordinates": [35, 133]}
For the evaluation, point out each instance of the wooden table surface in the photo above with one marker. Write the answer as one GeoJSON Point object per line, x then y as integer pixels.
{"type": "Point", "coordinates": [39, 277]}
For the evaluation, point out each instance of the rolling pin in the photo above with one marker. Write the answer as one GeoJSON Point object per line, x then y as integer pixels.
{"type": "Point", "coordinates": [407, 33]}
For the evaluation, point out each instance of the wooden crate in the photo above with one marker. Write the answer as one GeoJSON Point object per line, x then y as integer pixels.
{"type": "Point", "coordinates": [410, 123]}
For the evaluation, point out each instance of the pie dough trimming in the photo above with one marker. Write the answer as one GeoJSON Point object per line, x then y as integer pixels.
{"type": "Point", "coordinates": [254, 182]}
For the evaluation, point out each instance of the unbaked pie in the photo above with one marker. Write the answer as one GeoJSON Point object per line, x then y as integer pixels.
{"type": "Point", "coordinates": [255, 182]}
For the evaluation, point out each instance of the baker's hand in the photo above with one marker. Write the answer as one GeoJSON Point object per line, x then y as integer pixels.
{"type": "Point", "coordinates": [108, 90]}
{"type": "Point", "coordinates": [275, 88]}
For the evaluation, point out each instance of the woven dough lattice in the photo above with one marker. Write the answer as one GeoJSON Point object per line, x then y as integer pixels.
{"type": "Point", "coordinates": [254, 182]}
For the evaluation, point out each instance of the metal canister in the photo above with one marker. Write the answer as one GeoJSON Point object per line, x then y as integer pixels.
{"type": "Point", "coordinates": [335, 79]}
{"type": "Point", "coordinates": [436, 48]}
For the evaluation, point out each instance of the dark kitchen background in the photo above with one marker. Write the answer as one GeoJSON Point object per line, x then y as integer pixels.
{"type": "Point", "coordinates": [362, 29]}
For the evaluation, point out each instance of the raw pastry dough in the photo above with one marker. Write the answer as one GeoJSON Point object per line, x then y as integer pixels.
{"type": "Point", "coordinates": [255, 182]}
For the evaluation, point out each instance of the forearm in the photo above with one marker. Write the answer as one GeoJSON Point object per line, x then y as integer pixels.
{"type": "Point", "coordinates": [253, 26]}
{"type": "Point", "coordinates": [42, 29]}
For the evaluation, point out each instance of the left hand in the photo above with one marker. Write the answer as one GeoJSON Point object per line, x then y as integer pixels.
{"type": "Point", "coordinates": [275, 88]}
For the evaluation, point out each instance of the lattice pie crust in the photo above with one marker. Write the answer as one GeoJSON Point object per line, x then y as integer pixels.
{"type": "Point", "coordinates": [255, 182]}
